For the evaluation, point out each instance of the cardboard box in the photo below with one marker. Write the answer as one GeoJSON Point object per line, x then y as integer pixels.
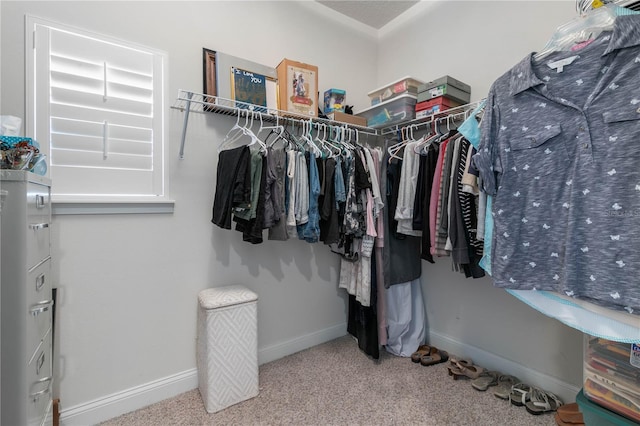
{"type": "Point", "coordinates": [446, 91]}
{"type": "Point", "coordinates": [347, 118]}
{"type": "Point", "coordinates": [445, 80]}
{"type": "Point", "coordinates": [445, 86]}
{"type": "Point", "coordinates": [298, 88]}
{"type": "Point", "coordinates": [434, 106]}
{"type": "Point", "coordinates": [334, 100]}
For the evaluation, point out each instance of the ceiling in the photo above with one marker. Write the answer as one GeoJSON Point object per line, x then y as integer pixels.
{"type": "Point", "coordinates": [375, 14]}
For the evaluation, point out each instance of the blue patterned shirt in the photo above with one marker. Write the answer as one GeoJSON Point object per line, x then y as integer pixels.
{"type": "Point", "coordinates": [560, 153]}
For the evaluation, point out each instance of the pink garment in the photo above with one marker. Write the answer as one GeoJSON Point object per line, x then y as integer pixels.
{"type": "Point", "coordinates": [371, 226]}
{"type": "Point", "coordinates": [379, 244]}
{"type": "Point", "coordinates": [377, 155]}
{"type": "Point", "coordinates": [435, 190]}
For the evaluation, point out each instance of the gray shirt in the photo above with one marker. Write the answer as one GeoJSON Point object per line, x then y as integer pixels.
{"type": "Point", "coordinates": [560, 152]}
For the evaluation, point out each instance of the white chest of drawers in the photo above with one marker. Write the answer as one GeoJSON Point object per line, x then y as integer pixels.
{"type": "Point", "coordinates": [26, 302]}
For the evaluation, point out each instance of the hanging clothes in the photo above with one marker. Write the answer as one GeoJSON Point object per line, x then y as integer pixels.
{"type": "Point", "coordinates": [277, 163]}
{"type": "Point", "coordinates": [402, 252]}
{"type": "Point", "coordinates": [406, 321]}
{"type": "Point", "coordinates": [233, 184]}
{"type": "Point", "coordinates": [557, 156]}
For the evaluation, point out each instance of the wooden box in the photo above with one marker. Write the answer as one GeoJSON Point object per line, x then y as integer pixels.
{"type": "Point", "coordinates": [298, 88]}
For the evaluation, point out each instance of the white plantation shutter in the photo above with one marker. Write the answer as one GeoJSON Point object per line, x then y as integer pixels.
{"type": "Point", "coordinates": [98, 114]}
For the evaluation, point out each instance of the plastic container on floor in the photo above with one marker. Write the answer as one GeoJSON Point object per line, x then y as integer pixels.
{"type": "Point", "coordinates": [612, 375]}
{"type": "Point", "coordinates": [595, 415]}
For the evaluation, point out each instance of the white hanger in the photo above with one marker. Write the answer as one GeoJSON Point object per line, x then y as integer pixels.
{"type": "Point", "coordinates": [580, 29]}
{"type": "Point", "coordinates": [244, 131]}
{"type": "Point", "coordinates": [395, 148]}
{"type": "Point", "coordinates": [307, 138]}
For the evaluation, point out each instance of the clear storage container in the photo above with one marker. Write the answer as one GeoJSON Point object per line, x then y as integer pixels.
{"type": "Point", "coordinates": [612, 375]}
{"type": "Point", "coordinates": [405, 85]}
{"type": "Point", "coordinates": [393, 111]}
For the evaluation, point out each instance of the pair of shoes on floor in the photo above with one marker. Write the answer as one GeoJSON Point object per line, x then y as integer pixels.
{"type": "Point", "coordinates": [461, 368]}
{"type": "Point", "coordinates": [569, 415]}
{"type": "Point", "coordinates": [485, 380]}
{"type": "Point", "coordinates": [429, 355]}
{"type": "Point", "coordinates": [535, 400]}
{"type": "Point", "coordinates": [505, 383]}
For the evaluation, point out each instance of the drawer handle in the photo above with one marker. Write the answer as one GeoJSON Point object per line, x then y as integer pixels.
{"type": "Point", "coordinates": [39, 282]}
{"type": "Point", "coordinates": [41, 307]}
{"type": "Point", "coordinates": [40, 201]}
{"type": "Point", "coordinates": [36, 395]}
{"type": "Point", "coordinates": [37, 226]}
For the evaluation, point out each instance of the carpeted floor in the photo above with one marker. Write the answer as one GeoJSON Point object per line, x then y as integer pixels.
{"type": "Point", "coordinates": [336, 384]}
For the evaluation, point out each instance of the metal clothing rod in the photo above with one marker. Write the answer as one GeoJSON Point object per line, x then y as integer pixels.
{"type": "Point", "coordinates": [197, 102]}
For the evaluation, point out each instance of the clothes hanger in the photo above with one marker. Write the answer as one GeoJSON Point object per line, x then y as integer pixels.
{"type": "Point", "coordinates": [245, 131]}
{"type": "Point", "coordinates": [332, 150]}
{"type": "Point", "coordinates": [581, 29]}
{"type": "Point", "coordinates": [236, 132]}
{"type": "Point", "coordinates": [307, 137]}
{"type": "Point", "coordinates": [394, 149]}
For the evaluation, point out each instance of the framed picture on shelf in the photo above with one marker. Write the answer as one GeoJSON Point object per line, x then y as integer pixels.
{"type": "Point", "coordinates": [209, 73]}
{"type": "Point", "coordinates": [250, 88]}
{"type": "Point", "coordinates": [226, 66]}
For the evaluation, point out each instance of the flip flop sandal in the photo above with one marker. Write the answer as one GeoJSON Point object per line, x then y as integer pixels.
{"type": "Point", "coordinates": [570, 413]}
{"type": "Point", "coordinates": [520, 394]}
{"type": "Point", "coordinates": [459, 362]}
{"type": "Point", "coordinates": [470, 372]}
{"type": "Point", "coordinates": [434, 358]}
{"type": "Point", "coordinates": [542, 402]}
{"type": "Point", "coordinates": [485, 380]}
{"type": "Point", "coordinates": [420, 352]}
{"type": "Point", "coordinates": [503, 389]}
{"type": "Point", "coordinates": [561, 422]}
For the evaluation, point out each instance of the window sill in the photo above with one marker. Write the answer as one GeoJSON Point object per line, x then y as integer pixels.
{"type": "Point", "coordinates": [64, 207]}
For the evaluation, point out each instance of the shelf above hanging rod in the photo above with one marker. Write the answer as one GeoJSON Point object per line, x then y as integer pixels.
{"type": "Point", "coordinates": [188, 102]}
{"type": "Point", "coordinates": [440, 115]}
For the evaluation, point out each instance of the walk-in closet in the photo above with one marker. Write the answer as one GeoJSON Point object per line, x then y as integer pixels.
{"type": "Point", "coordinates": [349, 212]}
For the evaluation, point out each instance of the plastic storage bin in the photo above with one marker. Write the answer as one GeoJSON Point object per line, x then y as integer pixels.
{"type": "Point", "coordinates": [227, 346]}
{"type": "Point", "coordinates": [403, 86]}
{"type": "Point", "coordinates": [393, 111]}
{"type": "Point", "coordinates": [612, 376]}
{"type": "Point", "coordinates": [595, 415]}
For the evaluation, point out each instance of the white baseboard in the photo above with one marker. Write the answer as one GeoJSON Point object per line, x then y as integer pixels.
{"type": "Point", "coordinates": [565, 391]}
{"type": "Point", "coordinates": [119, 403]}
{"type": "Point", "coordinates": [280, 350]}
{"type": "Point", "coordinates": [131, 399]}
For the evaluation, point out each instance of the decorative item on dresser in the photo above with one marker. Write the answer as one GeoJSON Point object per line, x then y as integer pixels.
{"type": "Point", "coordinates": [26, 300]}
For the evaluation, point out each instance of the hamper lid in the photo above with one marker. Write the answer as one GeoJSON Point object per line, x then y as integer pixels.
{"type": "Point", "coordinates": [219, 297]}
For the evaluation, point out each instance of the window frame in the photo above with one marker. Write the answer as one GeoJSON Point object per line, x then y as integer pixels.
{"type": "Point", "coordinates": [100, 204]}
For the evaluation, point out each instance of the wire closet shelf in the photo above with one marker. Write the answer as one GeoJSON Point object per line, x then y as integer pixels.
{"type": "Point", "coordinates": [188, 102]}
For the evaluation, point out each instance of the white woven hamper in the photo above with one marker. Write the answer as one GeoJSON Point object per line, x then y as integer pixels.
{"type": "Point", "coordinates": [227, 346]}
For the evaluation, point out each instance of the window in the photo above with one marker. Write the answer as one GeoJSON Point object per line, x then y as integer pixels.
{"type": "Point", "coordinates": [96, 107]}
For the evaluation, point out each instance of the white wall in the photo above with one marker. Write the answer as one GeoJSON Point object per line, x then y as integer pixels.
{"type": "Point", "coordinates": [129, 283]}
{"type": "Point", "coordinates": [476, 42]}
